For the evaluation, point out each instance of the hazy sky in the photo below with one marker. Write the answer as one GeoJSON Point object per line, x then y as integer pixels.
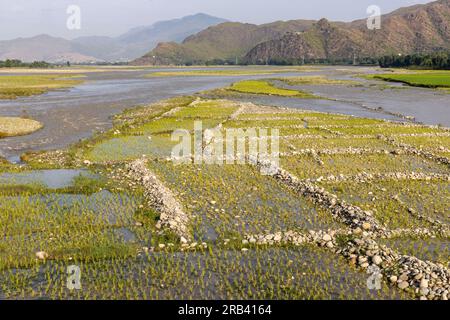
{"type": "Point", "coordinates": [24, 18]}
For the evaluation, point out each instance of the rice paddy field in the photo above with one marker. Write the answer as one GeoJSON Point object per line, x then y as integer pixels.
{"type": "Point", "coordinates": [428, 79]}
{"type": "Point", "coordinates": [347, 195]}
{"type": "Point", "coordinates": [266, 88]}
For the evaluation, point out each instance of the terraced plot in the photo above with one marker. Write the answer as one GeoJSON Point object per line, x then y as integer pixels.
{"type": "Point", "coordinates": [435, 144]}
{"type": "Point", "coordinates": [397, 203]}
{"type": "Point", "coordinates": [287, 273]}
{"type": "Point", "coordinates": [232, 200]}
{"type": "Point", "coordinates": [308, 166]}
{"type": "Point", "coordinates": [311, 231]}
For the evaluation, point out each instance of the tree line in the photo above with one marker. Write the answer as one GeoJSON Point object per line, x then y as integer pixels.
{"type": "Point", "coordinates": [438, 61]}
{"type": "Point", "coordinates": [14, 63]}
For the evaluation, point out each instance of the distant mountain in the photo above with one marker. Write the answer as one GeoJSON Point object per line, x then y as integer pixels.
{"type": "Point", "coordinates": [139, 41]}
{"type": "Point", "coordinates": [407, 30]}
{"type": "Point", "coordinates": [128, 46]}
{"type": "Point", "coordinates": [229, 40]}
{"type": "Point", "coordinates": [42, 48]}
{"type": "Point", "coordinates": [420, 28]}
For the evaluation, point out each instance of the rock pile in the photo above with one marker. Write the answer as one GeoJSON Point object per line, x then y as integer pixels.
{"type": "Point", "coordinates": [161, 199]}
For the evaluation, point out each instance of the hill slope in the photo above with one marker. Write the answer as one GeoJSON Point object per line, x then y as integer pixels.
{"type": "Point", "coordinates": [224, 41]}
{"type": "Point", "coordinates": [415, 29]}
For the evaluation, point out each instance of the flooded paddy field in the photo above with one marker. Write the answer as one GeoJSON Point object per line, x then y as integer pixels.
{"type": "Point", "coordinates": [357, 192]}
{"type": "Point", "coordinates": [75, 113]}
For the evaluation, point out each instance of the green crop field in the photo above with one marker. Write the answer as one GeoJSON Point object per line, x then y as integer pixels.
{"type": "Point", "coordinates": [248, 235]}
{"type": "Point", "coordinates": [422, 79]}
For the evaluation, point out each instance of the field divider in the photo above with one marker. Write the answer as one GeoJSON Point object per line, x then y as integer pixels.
{"type": "Point", "coordinates": [424, 279]}
{"type": "Point", "coordinates": [162, 199]}
{"type": "Point", "coordinates": [418, 152]}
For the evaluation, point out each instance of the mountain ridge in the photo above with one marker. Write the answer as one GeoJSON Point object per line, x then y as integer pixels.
{"type": "Point", "coordinates": [418, 28]}
{"type": "Point", "coordinates": [128, 46]}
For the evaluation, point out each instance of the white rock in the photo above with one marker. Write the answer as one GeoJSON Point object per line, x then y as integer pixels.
{"type": "Point", "coordinates": [377, 260]}
{"type": "Point", "coordinates": [403, 285]}
{"type": "Point", "coordinates": [41, 255]}
{"type": "Point", "coordinates": [424, 283]}
{"type": "Point", "coordinates": [183, 240]}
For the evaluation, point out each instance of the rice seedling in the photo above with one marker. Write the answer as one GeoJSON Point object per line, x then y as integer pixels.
{"type": "Point", "coordinates": [431, 249]}
{"type": "Point", "coordinates": [436, 145]}
{"type": "Point", "coordinates": [253, 203]}
{"type": "Point", "coordinates": [306, 166]}
{"type": "Point", "coordinates": [330, 143]}
{"type": "Point", "coordinates": [316, 80]}
{"type": "Point", "coordinates": [420, 79]}
{"type": "Point", "coordinates": [397, 203]}
{"type": "Point", "coordinates": [261, 274]}
{"type": "Point", "coordinates": [267, 88]}
{"type": "Point", "coordinates": [386, 130]}
{"type": "Point", "coordinates": [107, 228]}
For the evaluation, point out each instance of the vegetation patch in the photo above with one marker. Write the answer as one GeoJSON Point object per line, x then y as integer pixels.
{"type": "Point", "coordinates": [397, 203]}
{"type": "Point", "coordinates": [434, 79]}
{"type": "Point", "coordinates": [266, 88]}
{"type": "Point", "coordinates": [11, 126]}
{"type": "Point", "coordinates": [316, 80]}
{"type": "Point", "coordinates": [308, 166]}
{"type": "Point", "coordinates": [12, 87]}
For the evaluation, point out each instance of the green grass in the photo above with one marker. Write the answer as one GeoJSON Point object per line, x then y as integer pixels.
{"type": "Point", "coordinates": [213, 73]}
{"type": "Point", "coordinates": [430, 198]}
{"type": "Point", "coordinates": [337, 143]}
{"type": "Point", "coordinates": [386, 130]}
{"type": "Point", "coordinates": [422, 79]}
{"type": "Point", "coordinates": [316, 80]}
{"type": "Point", "coordinates": [266, 88]}
{"type": "Point", "coordinates": [436, 145]}
{"type": "Point", "coordinates": [12, 87]}
{"type": "Point", "coordinates": [262, 274]}
{"type": "Point", "coordinates": [306, 166]}
{"type": "Point", "coordinates": [253, 203]}
{"type": "Point", "coordinates": [63, 225]}
{"type": "Point", "coordinates": [436, 250]}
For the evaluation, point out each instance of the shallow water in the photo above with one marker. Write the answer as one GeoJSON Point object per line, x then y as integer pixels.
{"type": "Point", "coordinates": [74, 114]}
{"type": "Point", "coordinates": [427, 106]}
{"type": "Point", "coordinates": [52, 179]}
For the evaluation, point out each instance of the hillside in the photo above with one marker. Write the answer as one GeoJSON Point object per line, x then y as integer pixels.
{"type": "Point", "coordinates": [225, 41]}
{"type": "Point", "coordinates": [412, 29]}
{"type": "Point", "coordinates": [419, 28]}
